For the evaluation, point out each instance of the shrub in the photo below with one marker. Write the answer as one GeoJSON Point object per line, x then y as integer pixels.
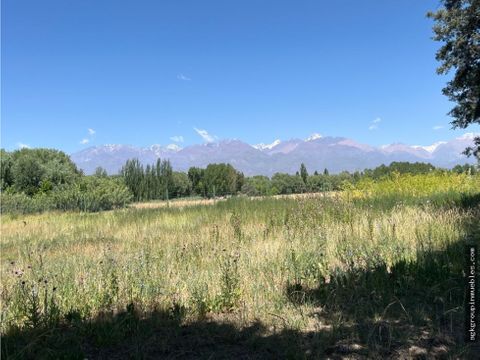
{"type": "Point", "coordinates": [257, 186]}
{"type": "Point", "coordinates": [90, 194]}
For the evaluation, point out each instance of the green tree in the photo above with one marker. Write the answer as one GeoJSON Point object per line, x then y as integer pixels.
{"type": "Point", "coordinates": [149, 182]}
{"type": "Point", "coordinates": [257, 186]}
{"type": "Point", "coordinates": [240, 181]}
{"type": "Point", "coordinates": [338, 179]}
{"type": "Point", "coordinates": [100, 172]}
{"type": "Point", "coordinates": [27, 175]}
{"type": "Point", "coordinates": [181, 184]}
{"type": "Point", "coordinates": [303, 173]}
{"type": "Point", "coordinates": [152, 182]}
{"type": "Point", "coordinates": [133, 176]}
{"type": "Point", "coordinates": [197, 178]}
{"type": "Point", "coordinates": [288, 184]}
{"type": "Point", "coordinates": [220, 179]}
{"type": "Point", "coordinates": [166, 179]}
{"type": "Point", "coordinates": [457, 26]}
{"type": "Point", "coordinates": [319, 183]}
{"type": "Point", "coordinates": [467, 169]}
{"type": "Point", "coordinates": [402, 167]}
{"type": "Point", "coordinates": [32, 167]}
{"type": "Point", "coordinates": [159, 192]}
{"type": "Point", "coordinates": [6, 163]}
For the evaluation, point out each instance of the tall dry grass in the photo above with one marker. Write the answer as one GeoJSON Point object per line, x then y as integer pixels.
{"type": "Point", "coordinates": [303, 264]}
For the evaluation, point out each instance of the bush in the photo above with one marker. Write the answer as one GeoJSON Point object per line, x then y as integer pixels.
{"type": "Point", "coordinates": [33, 170]}
{"type": "Point", "coordinates": [19, 203]}
{"type": "Point", "coordinates": [90, 194]}
{"type": "Point", "coordinates": [319, 183]}
{"type": "Point", "coordinates": [257, 186]}
{"type": "Point", "coordinates": [93, 194]}
{"type": "Point", "coordinates": [288, 184]}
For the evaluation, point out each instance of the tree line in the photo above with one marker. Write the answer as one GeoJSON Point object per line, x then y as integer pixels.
{"type": "Point", "coordinates": [159, 182]}
{"type": "Point", "coordinates": [33, 180]}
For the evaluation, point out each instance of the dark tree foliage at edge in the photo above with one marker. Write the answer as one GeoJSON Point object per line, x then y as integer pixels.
{"type": "Point", "coordinates": [457, 26]}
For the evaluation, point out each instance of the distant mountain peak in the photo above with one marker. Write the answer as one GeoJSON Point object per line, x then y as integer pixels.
{"type": "Point", "coordinates": [173, 147]}
{"type": "Point", "coordinates": [161, 151]}
{"type": "Point", "coordinates": [263, 146]}
{"type": "Point", "coordinates": [230, 141]}
{"type": "Point", "coordinates": [354, 144]}
{"type": "Point", "coordinates": [112, 147]}
{"type": "Point", "coordinates": [334, 153]}
{"type": "Point", "coordinates": [313, 137]}
{"type": "Point", "coordinates": [430, 148]}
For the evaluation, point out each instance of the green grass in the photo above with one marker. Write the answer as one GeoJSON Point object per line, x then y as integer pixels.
{"type": "Point", "coordinates": [366, 274]}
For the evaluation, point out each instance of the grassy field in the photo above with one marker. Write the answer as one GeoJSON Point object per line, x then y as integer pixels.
{"type": "Point", "coordinates": [375, 272]}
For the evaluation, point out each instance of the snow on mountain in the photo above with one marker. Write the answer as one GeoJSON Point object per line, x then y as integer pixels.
{"type": "Point", "coordinates": [156, 149]}
{"type": "Point", "coordinates": [173, 147]}
{"type": "Point", "coordinates": [284, 147]}
{"type": "Point", "coordinates": [430, 148]}
{"type": "Point", "coordinates": [398, 148]}
{"type": "Point", "coordinates": [263, 146]}
{"type": "Point", "coordinates": [161, 151]}
{"type": "Point", "coordinates": [314, 136]}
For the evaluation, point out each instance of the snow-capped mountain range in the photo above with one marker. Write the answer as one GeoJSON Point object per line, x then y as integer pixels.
{"type": "Point", "coordinates": [316, 152]}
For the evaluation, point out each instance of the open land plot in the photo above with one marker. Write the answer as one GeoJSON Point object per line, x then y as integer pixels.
{"type": "Point", "coordinates": [247, 278]}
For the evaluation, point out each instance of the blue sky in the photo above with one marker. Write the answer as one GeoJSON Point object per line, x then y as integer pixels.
{"type": "Point", "coordinates": [82, 73]}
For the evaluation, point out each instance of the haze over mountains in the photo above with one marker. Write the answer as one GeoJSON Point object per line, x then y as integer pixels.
{"type": "Point", "coordinates": [316, 152]}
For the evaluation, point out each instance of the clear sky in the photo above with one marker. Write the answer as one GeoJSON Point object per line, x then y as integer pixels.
{"type": "Point", "coordinates": [144, 72]}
